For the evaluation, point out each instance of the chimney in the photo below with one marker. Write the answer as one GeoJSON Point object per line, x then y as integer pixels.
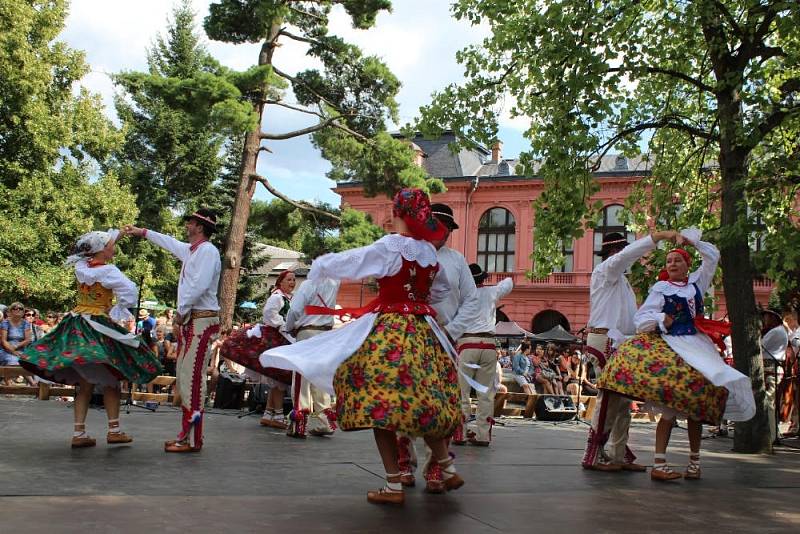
{"type": "Point", "coordinates": [497, 151]}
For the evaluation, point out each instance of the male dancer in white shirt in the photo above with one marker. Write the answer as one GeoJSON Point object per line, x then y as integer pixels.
{"type": "Point", "coordinates": [612, 305]}
{"type": "Point", "coordinates": [453, 314]}
{"type": "Point", "coordinates": [311, 405]}
{"type": "Point", "coordinates": [477, 348]}
{"type": "Point", "coordinates": [198, 317]}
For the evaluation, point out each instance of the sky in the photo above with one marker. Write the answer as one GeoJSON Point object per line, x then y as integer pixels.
{"type": "Point", "coordinates": [418, 40]}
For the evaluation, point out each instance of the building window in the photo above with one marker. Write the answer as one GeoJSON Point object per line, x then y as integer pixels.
{"type": "Point", "coordinates": [497, 241]}
{"type": "Point", "coordinates": [759, 233]}
{"type": "Point", "coordinates": [568, 251]}
{"type": "Point", "coordinates": [610, 220]}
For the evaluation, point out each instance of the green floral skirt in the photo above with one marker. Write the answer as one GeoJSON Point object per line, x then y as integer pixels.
{"type": "Point", "coordinates": [646, 368]}
{"type": "Point", "coordinates": [74, 343]}
{"type": "Point", "coordinates": [400, 379]}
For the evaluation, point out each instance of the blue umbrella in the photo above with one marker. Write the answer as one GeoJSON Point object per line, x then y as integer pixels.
{"type": "Point", "coordinates": [248, 305]}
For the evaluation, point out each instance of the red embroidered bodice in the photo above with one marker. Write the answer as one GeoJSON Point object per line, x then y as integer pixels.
{"type": "Point", "coordinates": [408, 291]}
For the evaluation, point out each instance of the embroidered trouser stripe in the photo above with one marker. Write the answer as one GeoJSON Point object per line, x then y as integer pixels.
{"type": "Point", "coordinates": [197, 336]}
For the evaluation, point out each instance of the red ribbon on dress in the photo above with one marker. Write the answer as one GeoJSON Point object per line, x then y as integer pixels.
{"type": "Point", "coordinates": [716, 330]}
{"type": "Point", "coordinates": [376, 305]}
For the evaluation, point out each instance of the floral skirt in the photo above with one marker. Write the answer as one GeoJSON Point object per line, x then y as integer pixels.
{"type": "Point", "coordinates": [245, 351]}
{"type": "Point", "coordinates": [74, 344]}
{"type": "Point", "coordinates": [400, 379]}
{"type": "Point", "coordinates": [646, 368]}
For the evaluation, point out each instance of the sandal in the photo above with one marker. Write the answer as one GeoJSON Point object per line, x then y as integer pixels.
{"type": "Point", "coordinates": [80, 439]}
{"type": "Point", "coordinates": [662, 472]}
{"type": "Point", "coordinates": [115, 435]}
{"type": "Point", "coordinates": [693, 471]}
{"type": "Point", "coordinates": [388, 494]}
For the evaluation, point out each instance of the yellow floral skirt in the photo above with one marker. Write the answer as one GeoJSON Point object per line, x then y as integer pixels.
{"type": "Point", "coordinates": [400, 379]}
{"type": "Point", "coordinates": [646, 368]}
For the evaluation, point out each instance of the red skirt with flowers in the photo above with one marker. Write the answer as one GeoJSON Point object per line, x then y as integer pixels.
{"type": "Point", "coordinates": [246, 350]}
{"type": "Point", "coordinates": [400, 379]}
{"type": "Point", "coordinates": [74, 343]}
{"type": "Point", "coordinates": [646, 368]}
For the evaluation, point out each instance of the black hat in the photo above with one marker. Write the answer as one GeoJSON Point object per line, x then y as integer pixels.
{"type": "Point", "coordinates": [444, 213]}
{"type": "Point", "coordinates": [612, 242]}
{"type": "Point", "coordinates": [204, 216]}
{"type": "Point", "coordinates": [478, 274]}
{"type": "Point", "coordinates": [775, 313]}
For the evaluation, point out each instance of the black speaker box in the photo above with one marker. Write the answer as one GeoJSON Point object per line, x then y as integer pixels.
{"type": "Point", "coordinates": [230, 391]}
{"type": "Point", "coordinates": [555, 408]}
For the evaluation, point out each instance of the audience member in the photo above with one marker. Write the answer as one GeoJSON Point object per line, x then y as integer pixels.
{"type": "Point", "coordinates": [521, 368]}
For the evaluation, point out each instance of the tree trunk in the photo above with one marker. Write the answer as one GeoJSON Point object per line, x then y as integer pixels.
{"type": "Point", "coordinates": [751, 436]}
{"type": "Point", "coordinates": [234, 243]}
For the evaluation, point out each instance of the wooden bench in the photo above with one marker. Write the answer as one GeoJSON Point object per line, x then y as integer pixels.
{"type": "Point", "coordinates": [162, 380]}
{"type": "Point", "coordinates": [42, 390]}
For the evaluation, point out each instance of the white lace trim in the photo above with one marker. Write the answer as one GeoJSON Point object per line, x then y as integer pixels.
{"type": "Point", "coordinates": [687, 291]}
{"type": "Point", "coordinates": [410, 249]}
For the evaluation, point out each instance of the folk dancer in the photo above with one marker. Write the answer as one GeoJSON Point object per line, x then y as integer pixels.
{"type": "Point", "coordinates": [246, 345]}
{"type": "Point", "coordinates": [88, 348]}
{"type": "Point", "coordinates": [453, 313]}
{"type": "Point", "coordinates": [793, 369]}
{"type": "Point", "coordinates": [774, 342]}
{"type": "Point", "coordinates": [311, 406]}
{"type": "Point", "coordinates": [392, 369]}
{"type": "Point", "coordinates": [612, 305]}
{"type": "Point", "coordinates": [198, 316]}
{"type": "Point", "coordinates": [478, 357]}
{"type": "Point", "coordinates": [674, 365]}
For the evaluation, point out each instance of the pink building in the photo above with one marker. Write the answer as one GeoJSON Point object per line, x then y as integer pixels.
{"type": "Point", "coordinates": [493, 207]}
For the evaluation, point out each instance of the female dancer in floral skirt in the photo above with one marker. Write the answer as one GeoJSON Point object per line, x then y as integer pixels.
{"type": "Point", "coordinates": [389, 369]}
{"type": "Point", "coordinates": [673, 363]}
{"type": "Point", "coordinates": [88, 347]}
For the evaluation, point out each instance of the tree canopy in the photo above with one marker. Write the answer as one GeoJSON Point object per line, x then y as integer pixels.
{"type": "Point", "coordinates": [708, 88]}
{"type": "Point", "coordinates": [53, 144]}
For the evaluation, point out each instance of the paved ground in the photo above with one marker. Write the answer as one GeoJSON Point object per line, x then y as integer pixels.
{"type": "Point", "coordinates": [250, 479]}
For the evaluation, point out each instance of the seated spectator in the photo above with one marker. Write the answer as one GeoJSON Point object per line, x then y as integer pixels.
{"type": "Point", "coordinates": [551, 371]}
{"type": "Point", "coordinates": [520, 367]}
{"type": "Point", "coordinates": [503, 359]}
{"type": "Point", "coordinates": [165, 350]}
{"type": "Point", "coordinates": [32, 316]}
{"type": "Point", "coordinates": [15, 334]}
{"type": "Point", "coordinates": [541, 372]}
{"type": "Point", "coordinates": [50, 322]}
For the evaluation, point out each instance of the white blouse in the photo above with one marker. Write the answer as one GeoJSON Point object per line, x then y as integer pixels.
{"type": "Point", "coordinates": [381, 259]}
{"type": "Point", "coordinates": [650, 315]}
{"type": "Point", "coordinates": [110, 277]}
{"type": "Point", "coordinates": [271, 313]}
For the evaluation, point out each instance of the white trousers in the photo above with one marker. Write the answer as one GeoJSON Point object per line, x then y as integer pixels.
{"type": "Point", "coordinates": [486, 374]}
{"type": "Point", "coordinates": [307, 396]}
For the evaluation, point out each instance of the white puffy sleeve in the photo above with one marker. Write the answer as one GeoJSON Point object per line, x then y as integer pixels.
{"type": "Point", "coordinates": [705, 274]}
{"type": "Point", "coordinates": [650, 315]}
{"type": "Point", "coordinates": [503, 288]}
{"type": "Point", "coordinates": [297, 308]}
{"type": "Point", "coordinates": [612, 269]}
{"type": "Point", "coordinates": [178, 248]}
{"type": "Point", "coordinates": [125, 292]}
{"type": "Point", "coordinates": [356, 264]}
{"type": "Point", "coordinates": [272, 308]}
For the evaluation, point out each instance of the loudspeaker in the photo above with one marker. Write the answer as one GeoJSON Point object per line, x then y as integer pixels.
{"type": "Point", "coordinates": [555, 408]}
{"type": "Point", "coordinates": [230, 391]}
{"type": "Point", "coordinates": [257, 399]}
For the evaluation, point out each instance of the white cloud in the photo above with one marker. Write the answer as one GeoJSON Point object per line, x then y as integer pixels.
{"type": "Point", "coordinates": [418, 41]}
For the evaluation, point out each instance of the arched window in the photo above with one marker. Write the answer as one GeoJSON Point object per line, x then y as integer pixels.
{"type": "Point", "coordinates": [610, 220]}
{"type": "Point", "coordinates": [497, 241]}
